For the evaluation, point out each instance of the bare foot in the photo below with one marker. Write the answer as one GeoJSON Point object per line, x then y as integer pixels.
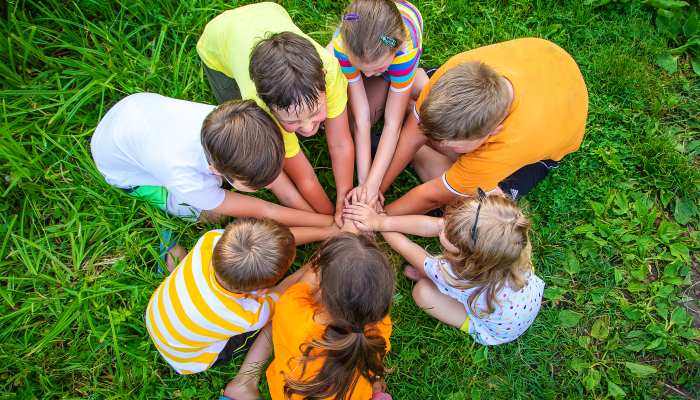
{"type": "Point", "coordinates": [179, 252]}
{"type": "Point", "coordinates": [412, 273]}
{"type": "Point", "coordinates": [242, 387]}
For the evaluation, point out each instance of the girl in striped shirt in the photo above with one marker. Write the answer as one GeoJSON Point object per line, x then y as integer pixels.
{"type": "Point", "coordinates": [383, 40]}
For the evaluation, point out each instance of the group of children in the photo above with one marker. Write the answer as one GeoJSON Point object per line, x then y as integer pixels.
{"type": "Point", "coordinates": [481, 131]}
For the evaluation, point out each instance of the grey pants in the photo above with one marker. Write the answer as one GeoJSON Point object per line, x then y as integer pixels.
{"type": "Point", "coordinates": [224, 87]}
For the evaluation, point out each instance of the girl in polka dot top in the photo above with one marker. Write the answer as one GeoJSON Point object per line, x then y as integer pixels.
{"type": "Point", "coordinates": [483, 282]}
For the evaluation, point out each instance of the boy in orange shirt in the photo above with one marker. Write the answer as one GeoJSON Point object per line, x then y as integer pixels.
{"type": "Point", "coordinates": [498, 117]}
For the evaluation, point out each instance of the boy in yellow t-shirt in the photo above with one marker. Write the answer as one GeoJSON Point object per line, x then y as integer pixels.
{"type": "Point", "coordinates": [499, 117]}
{"type": "Point", "coordinates": [256, 52]}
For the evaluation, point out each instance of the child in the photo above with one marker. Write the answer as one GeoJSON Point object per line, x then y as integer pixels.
{"type": "Point", "coordinates": [382, 39]}
{"type": "Point", "coordinates": [498, 117]}
{"type": "Point", "coordinates": [217, 301]}
{"type": "Point", "coordinates": [292, 78]}
{"type": "Point", "coordinates": [331, 330]}
{"type": "Point", "coordinates": [177, 153]}
{"type": "Point", "coordinates": [483, 282]}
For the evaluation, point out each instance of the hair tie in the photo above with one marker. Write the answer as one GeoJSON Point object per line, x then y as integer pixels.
{"type": "Point", "coordinates": [358, 330]}
{"type": "Point", "coordinates": [349, 17]}
{"type": "Point", "coordinates": [389, 41]}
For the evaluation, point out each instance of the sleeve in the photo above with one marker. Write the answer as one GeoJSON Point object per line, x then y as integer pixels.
{"type": "Point", "coordinates": [197, 190]}
{"type": "Point", "coordinates": [351, 73]}
{"type": "Point", "coordinates": [291, 143]}
{"type": "Point", "coordinates": [402, 70]}
{"type": "Point", "coordinates": [336, 90]}
{"type": "Point", "coordinates": [472, 170]}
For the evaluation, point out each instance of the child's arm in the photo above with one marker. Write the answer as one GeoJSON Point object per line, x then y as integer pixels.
{"type": "Point", "coordinates": [422, 198]}
{"type": "Point", "coordinates": [393, 120]}
{"type": "Point", "coordinates": [410, 141]}
{"type": "Point", "coordinates": [363, 119]}
{"type": "Point", "coordinates": [240, 205]}
{"type": "Point", "coordinates": [302, 173]}
{"type": "Point", "coordinates": [369, 220]}
{"type": "Point", "coordinates": [413, 253]}
{"type": "Point", "coordinates": [308, 234]}
{"type": "Point", "coordinates": [342, 151]}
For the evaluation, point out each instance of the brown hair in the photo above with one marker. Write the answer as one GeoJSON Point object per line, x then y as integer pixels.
{"type": "Point", "coordinates": [287, 71]}
{"type": "Point", "coordinates": [466, 103]}
{"type": "Point", "coordinates": [362, 36]}
{"type": "Point", "coordinates": [253, 254]}
{"type": "Point", "coordinates": [243, 143]}
{"type": "Point", "coordinates": [356, 286]}
{"type": "Point", "coordinates": [501, 254]}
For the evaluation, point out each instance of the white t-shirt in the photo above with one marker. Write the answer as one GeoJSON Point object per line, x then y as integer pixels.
{"type": "Point", "coordinates": [151, 140]}
{"type": "Point", "coordinates": [512, 317]}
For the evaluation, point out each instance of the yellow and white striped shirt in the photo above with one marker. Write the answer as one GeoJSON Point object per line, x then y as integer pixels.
{"type": "Point", "coordinates": [190, 317]}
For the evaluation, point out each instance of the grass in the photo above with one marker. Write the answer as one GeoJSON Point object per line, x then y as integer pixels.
{"type": "Point", "coordinates": [615, 227]}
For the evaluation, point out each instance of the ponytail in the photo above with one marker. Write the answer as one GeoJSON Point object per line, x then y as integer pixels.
{"type": "Point", "coordinates": [357, 286]}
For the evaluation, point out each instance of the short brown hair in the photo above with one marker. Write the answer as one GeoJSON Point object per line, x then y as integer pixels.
{"type": "Point", "coordinates": [362, 36]}
{"type": "Point", "coordinates": [466, 103]}
{"type": "Point", "coordinates": [253, 254]}
{"type": "Point", "coordinates": [287, 71]}
{"type": "Point", "coordinates": [244, 143]}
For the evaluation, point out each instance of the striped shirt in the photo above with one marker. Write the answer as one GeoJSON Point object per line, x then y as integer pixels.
{"type": "Point", "coordinates": [402, 70]}
{"type": "Point", "coordinates": [190, 317]}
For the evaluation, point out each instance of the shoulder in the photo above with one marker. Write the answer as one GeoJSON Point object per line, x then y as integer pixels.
{"type": "Point", "coordinates": [297, 296]}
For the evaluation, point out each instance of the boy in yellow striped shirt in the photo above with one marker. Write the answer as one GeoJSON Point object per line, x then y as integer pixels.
{"type": "Point", "coordinates": [220, 298]}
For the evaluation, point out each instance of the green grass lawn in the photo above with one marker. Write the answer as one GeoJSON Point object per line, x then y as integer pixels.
{"type": "Point", "coordinates": [615, 228]}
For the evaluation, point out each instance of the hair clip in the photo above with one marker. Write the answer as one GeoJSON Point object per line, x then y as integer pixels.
{"type": "Point", "coordinates": [389, 41]}
{"type": "Point", "coordinates": [349, 17]}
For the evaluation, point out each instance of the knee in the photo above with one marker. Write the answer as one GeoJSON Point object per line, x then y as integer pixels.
{"type": "Point", "coordinates": [422, 292]}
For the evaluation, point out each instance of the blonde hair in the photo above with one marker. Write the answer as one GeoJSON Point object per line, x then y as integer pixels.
{"type": "Point", "coordinates": [501, 254]}
{"type": "Point", "coordinates": [466, 103]}
{"type": "Point", "coordinates": [362, 37]}
{"type": "Point", "coordinates": [253, 254]}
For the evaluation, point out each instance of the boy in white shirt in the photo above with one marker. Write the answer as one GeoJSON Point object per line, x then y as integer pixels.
{"type": "Point", "coordinates": [176, 154]}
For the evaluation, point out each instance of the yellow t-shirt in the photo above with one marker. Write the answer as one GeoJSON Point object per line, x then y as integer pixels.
{"type": "Point", "coordinates": [546, 120]}
{"type": "Point", "coordinates": [228, 39]}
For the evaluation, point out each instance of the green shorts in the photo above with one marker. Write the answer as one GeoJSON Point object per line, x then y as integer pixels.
{"type": "Point", "coordinates": [160, 197]}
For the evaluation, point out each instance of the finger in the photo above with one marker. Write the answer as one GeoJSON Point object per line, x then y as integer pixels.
{"type": "Point", "coordinates": [373, 202]}
{"type": "Point", "coordinates": [381, 198]}
{"type": "Point", "coordinates": [349, 195]}
{"type": "Point", "coordinates": [354, 196]}
{"type": "Point", "coordinates": [363, 197]}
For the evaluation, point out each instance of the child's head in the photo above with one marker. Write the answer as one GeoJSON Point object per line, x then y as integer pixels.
{"type": "Point", "coordinates": [253, 254]}
{"type": "Point", "coordinates": [373, 32]}
{"type": "Point", "coordinates": [289, 77]}
{"type": "Point", "coordinates": [466, 104]}
{"type": "Point", "coordinates": [243, 143]}
{"type": "Point", "coordinates": [501, 253]}
{"type": "Point", "coordinates": [356, 284]}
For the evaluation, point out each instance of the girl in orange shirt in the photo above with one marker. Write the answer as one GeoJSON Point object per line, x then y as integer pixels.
{"type": "Point", "coordinates": [331, 329]}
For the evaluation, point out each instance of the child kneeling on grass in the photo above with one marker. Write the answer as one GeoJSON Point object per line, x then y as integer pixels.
{"type": "Point", "coordinates": [483, 283]}
{"type": "Point", "coordinates": [219, 300]}
{"type": "Point", "coordinates": [177, 153]}
{"type": "Point", "coordinates": [331, 329]}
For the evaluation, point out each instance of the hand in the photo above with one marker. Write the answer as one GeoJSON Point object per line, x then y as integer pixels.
{"type": "Point", "coordinates": [361, 188]}
{"type": "Point", "coordinates": [364, 213]}
{"type": "Point", "coordinates": [339, 215]}
{"type": "Point", "coordinates": [349, 225]}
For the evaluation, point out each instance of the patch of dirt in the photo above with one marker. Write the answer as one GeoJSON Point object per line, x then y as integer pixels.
{"type": "Point", "coordinates": [692, 295]}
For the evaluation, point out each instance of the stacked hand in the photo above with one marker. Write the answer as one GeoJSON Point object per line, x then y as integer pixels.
{"type": "Point", "coordinates": [365, 216]}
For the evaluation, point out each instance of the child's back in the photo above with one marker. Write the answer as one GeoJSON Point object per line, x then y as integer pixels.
{"type": "Point", "coordinates": [341, 322]}
{"type": "Point", "coordinates": [513, 314]}
{"type": "Point", "coordinates": [210, 298]}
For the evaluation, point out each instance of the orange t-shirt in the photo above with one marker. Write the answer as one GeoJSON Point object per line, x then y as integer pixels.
{"type": "Point", "coordinates": [546, 120]}
{"type": "Point", "coordinates": [292, 326]}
